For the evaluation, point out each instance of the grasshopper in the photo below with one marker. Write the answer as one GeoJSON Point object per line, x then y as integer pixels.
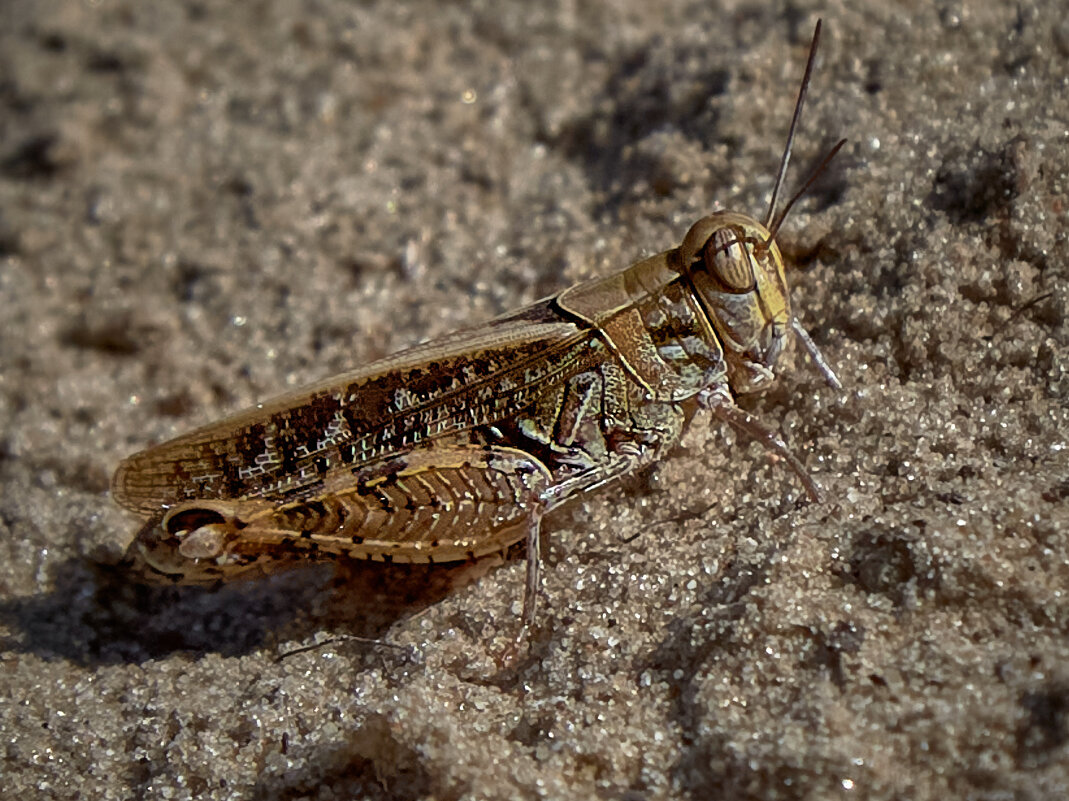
{"type": "Point", "coordinates": [458, 448]}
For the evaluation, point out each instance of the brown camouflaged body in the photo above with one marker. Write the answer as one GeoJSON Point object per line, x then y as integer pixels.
{"type": "Point", "coordinates": [440, 452]}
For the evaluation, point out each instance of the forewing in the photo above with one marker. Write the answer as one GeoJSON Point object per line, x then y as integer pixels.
{"type": "Point", "coordinates": [288, 447]}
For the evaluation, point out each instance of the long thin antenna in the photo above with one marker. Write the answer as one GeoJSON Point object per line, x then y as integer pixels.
{"type": "Point", "coordinates": [794, 124]}
{"type": "Point", "coordinates": [774, 228]}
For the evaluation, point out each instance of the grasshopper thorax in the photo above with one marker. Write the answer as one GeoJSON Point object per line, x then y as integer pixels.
{"type": "Point", "coordinates": [737, 270]}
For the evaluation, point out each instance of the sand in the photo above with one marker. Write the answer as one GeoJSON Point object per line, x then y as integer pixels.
{"type": "Point", "coordinates": [205, 204]}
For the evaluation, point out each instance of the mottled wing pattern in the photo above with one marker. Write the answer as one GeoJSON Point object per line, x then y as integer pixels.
{"type": "Point", "coordinates": [289, 448]}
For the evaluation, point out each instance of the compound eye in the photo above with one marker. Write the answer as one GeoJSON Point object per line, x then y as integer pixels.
{"type": "Point", "coordinates": [729, 259]}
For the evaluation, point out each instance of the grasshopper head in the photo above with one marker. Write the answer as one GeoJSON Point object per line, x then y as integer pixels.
{"type": "Point", "coordinates": [737, 270]}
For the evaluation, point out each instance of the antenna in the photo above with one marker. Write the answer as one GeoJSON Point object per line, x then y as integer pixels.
{"type": "Point", "coordinates": [774, 228]}
{"type": "Point", "coordinates": [794, 124]}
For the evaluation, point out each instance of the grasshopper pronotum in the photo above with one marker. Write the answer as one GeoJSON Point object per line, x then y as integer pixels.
{"type": "Point", "coordinates": [457, 448]}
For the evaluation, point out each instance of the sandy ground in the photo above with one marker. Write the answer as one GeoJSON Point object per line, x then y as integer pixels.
{"type": "Point", "coordinates": [203, 204]}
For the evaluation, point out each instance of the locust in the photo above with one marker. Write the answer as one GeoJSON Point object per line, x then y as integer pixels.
{"type": "Point", "coordinates": [459, 448]}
